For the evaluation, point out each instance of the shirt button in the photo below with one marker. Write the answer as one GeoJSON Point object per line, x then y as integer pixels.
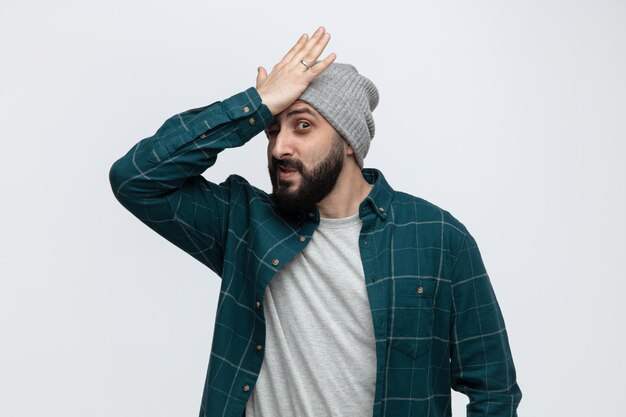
{"type": "Point", "coordinates": [246, 109]}
{"type": "Point", "coordinates": [259, 347]}
{"type": "Point", "coordinates": [302, 239]}
{"type": "Point", "coordinates": [311, 214]}
{"type": "Point", "coordinates": [252, 120]}
{"type": "Point", "coordinates": [420, 290]}
{"type": "Point", "coordinates": [245, 388]}
{"type": "Point", "coordinates": [275, 262]}
{"type": "Point", "coordinates": [258, 305]}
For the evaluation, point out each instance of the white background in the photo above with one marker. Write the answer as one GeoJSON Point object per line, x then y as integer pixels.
{"type": "Point", "coordinates": [509, 114]}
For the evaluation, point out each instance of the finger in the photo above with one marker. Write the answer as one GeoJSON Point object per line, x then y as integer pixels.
{"type": "Point", "coordinates": [314, 39]}
{"type": "Point", "coordinates": [294, 49]}
{"type": "Point", "coordinates": [321, 66]}
{"type": "Point", "coordinates": [319, 32]}
{"type": "Point", "coordinates": [318, 48]}
{"type": "Point", "coordinates": [261, 75]}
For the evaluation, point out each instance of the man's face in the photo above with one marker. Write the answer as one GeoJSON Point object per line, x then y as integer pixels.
{"type": "Point", "coordinates": [305, 157]}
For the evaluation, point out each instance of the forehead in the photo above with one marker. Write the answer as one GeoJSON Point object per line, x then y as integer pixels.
{"type": "Point", "coordinates": [298, 107]}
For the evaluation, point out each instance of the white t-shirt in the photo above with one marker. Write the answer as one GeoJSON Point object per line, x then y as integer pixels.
{"type": "Point", "coordinates": [320, 351]}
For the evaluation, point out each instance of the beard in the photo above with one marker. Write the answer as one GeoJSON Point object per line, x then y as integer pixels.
{"type": "Point", "coordinates": [315, 184]}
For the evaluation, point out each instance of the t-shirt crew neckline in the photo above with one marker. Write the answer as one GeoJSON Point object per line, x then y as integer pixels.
{"type": "Point", "coordinates": [331, 223]}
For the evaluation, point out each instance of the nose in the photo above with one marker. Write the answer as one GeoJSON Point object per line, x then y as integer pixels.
{"type": "Point", "coordinates": [282, 146]}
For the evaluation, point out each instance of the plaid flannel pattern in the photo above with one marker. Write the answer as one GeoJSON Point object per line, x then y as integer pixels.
{"type": "Point", "coordinates": [436, 319]}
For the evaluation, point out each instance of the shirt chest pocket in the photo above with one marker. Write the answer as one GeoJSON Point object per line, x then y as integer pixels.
{"type": "Point", "coordinates": [412, 316]}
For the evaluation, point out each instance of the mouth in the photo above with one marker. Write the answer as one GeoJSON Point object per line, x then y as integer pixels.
{"type": "Point", "coordinates": [285, 174]}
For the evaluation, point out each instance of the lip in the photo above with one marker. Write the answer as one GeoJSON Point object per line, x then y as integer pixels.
{"type": "Point", "coordinates": [286, 174]}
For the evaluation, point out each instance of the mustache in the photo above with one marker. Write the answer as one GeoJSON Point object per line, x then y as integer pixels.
{"type": "Point", "coordinates": [288, 164]}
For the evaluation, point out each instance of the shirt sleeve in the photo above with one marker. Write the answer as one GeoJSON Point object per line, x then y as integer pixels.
{"type": "Point", "coordinates": [481, 362]}
{"type": "Point", "coordinates": [159, 180]}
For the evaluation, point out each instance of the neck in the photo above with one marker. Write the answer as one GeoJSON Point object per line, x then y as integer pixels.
{"type": "Point", "coordinates": [350, 189]}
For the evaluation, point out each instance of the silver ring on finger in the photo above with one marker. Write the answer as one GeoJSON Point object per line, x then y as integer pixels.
{"type": "Point", "coordinates": [303, 62]}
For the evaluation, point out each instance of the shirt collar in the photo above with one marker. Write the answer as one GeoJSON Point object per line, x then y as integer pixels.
{"type": "Point", "coordinates": [378, 200]}
{"type": "Point", "coordinates": [380, 196]}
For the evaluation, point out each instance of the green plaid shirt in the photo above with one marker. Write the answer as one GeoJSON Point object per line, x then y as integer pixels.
{"type": "Point", "coordinates": [436, 319]}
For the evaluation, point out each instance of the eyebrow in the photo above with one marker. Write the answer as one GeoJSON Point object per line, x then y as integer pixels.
{"type": "Point", "coordinates": [300, 111]}
{"type": "Point", "coordinates": [295, 112]}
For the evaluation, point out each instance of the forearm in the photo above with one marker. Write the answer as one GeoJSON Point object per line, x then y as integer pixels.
{"type": "Point", "coordinates": [186, 145]}
{"type": "Point", "coordinates": [159, 180]}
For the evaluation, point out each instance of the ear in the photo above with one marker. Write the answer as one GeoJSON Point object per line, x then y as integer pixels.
{"type": "Point", "coordinates": [348, 148]}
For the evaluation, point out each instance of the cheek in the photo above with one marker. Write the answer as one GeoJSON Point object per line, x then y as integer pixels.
{"type": "Point", "coordinates": [316, 154]}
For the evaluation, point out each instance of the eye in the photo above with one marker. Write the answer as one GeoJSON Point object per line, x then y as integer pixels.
{"type": "Point", "coordinates": [303, 124]}
{"type": "Point", "coordinates": [271, 133]}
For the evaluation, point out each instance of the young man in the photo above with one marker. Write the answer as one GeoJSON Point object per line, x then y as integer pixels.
{"type": "Point", "coordinates": [339, 295]}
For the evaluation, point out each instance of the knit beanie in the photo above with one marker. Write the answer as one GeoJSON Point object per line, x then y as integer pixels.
{"type": "Point", "coordinates": [346, 99]}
